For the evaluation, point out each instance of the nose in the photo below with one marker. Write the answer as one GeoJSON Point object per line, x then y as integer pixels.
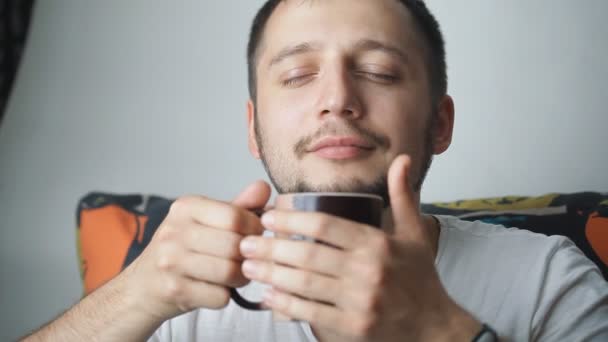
{"type": "Point", "coordinates": [338, 95]}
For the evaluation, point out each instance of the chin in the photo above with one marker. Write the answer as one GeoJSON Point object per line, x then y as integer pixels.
{"type": "Point", "coordinates": [343, 184]}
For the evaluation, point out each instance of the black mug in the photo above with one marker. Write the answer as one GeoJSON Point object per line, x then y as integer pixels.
{"type": "Point", "coordinates": [358, 207]}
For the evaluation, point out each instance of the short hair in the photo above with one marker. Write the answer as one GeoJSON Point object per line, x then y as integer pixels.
{"type": "Point", "coordinates": [424, 21]}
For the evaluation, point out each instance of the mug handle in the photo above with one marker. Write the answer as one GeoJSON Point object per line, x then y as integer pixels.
{"type": "Point", "coordinates": [236, 296]}
{"type": "Point", "coordinates": [244, 303]}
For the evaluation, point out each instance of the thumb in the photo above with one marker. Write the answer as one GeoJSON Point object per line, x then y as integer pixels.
{"type": "Point", "coordinates": [254, 196]}
{"type": "Point", "coordinates": [406, 215]}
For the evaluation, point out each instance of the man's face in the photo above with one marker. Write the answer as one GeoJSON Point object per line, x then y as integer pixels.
{"type": "Point", "coordinates": [342, 89]}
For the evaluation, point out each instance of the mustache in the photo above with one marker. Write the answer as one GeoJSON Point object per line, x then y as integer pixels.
{"type": "Point", "coordinates": [347, 128]}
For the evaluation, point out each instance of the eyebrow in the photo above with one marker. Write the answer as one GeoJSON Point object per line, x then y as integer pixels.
{"type": "Point", "coordinates": [371, 45]}
{"type": "Point", "coordinates": [292, 51]}
{"type": "Point", "coordinates": [362, 45]}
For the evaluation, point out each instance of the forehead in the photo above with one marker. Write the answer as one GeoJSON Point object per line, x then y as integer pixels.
{"type": "Point", "coordinates": [338, 24]}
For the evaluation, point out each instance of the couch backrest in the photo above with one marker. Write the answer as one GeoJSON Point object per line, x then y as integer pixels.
{"type": "Point", "coordinates": [114, 229]}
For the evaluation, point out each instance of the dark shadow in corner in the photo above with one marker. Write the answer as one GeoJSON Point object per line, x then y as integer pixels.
{"type": "Point", "coordinates": [15, 18]}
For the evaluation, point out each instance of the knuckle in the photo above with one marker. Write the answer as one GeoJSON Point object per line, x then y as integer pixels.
{"type": "Point", "coordinates": [166, 233]}
{"type": "Point", "coordinates": [220, 299]}
{"type": "Point", "coordinates": [267, 273]}
{"type": "Point", "coordinates": [183, 302]}
{"type": "Point", "coordinates": [265, 248]}
{"type": "Point", "coordinates": [235, 221]}
{"type": "Point", "coordinates": [223, 297]}
{"type": "Point", "coordinates": [173, 290]}
{"type": "Point", "coordinates": [201, 239]}
{"type": "Point", "coordinates": [309, 254]}
{"type": "Point", "coordinates": [165, 263]}
{"type": "Point", "coordinates": [178, 206]}
{"type": "Point", "coordinates": [232, 248]}
{"type": "Point", "coordinates": [231, 273]}
{"type": "Point", "coordinates": [193, 236]}
{"type": "Point", "coordinates": [167, 260]}
{"type": "Point", "coordinates": [308, 281]}
{"type": "Point", "coordinates": [321, 228]}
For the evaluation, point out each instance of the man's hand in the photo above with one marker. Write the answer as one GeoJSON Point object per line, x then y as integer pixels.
{"type": "Point", "coordinates": [366, 285]}
{"type": "Point", "coordinates": [191, 261]}
{"type": "Point", "coordinates": [194, 256]}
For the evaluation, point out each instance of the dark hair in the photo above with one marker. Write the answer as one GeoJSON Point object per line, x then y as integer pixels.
{"type": "Point", "coordinates": [425, 23]}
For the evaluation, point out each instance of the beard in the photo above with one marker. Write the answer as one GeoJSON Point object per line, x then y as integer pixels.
{"type": "Point", "coordinates": [293, 182]}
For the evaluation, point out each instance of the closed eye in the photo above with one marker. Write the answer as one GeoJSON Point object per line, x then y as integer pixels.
{"type": "Point", "coordinates": [383, 78]}
{"type": "Point", "coordinates": [296, 81]}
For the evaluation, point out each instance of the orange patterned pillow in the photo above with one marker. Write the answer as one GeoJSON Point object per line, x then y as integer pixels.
{"type": "Point", "coordinates": [112, 231]}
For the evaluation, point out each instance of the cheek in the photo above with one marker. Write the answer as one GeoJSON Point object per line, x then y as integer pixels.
{"type": "Point", "coordinates": [284, 116]}
{"type": "Point", "coordinates": [398, 116]}
{"type": "Point", "coordinates": [282, 126]}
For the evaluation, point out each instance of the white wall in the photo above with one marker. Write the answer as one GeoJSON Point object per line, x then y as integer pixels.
{"type": "Point", "coordinates": [149, 96]}
{"type": "Point", "coordinates": [530, 81]}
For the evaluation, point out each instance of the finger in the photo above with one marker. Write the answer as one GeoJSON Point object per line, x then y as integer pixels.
{"type": "Point", "coordinates": [403, 204]}
{"type": "Point", "coordinates": [330, 229]}
{"type": "Point", "coordinates": [303, 283]}
{"type": "Point", "coordinates": [316, 313]}
{"type": "Point", "coordinates": [217, 214]}
{"type": "Point", "coordinates": [301, 254]}
{"type": "Point", "coordinates": [211, 241]}
{"type": "Point", "coordinates": [206, 268]}
{"type": "Point", "coordinates": [254, 196]}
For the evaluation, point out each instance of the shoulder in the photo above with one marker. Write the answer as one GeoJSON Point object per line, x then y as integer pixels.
{"type": "Point", "coordinates": [522, 280]}
{"type": "Point", "coordinates": [511, 261]}
{"type": "Point", "coordinates": [478, 237]}
{"type": "Point", "coordinates": [504, 248]}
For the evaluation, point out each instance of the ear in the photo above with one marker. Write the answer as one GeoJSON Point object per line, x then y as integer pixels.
{"type": "Point", "coordinates": [444, 125]}
{"type": "Point", "coordinates": [251, 139]}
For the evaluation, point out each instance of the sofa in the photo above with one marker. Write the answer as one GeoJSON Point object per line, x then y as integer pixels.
{"type": "Point", "coordinates": [113, 229]}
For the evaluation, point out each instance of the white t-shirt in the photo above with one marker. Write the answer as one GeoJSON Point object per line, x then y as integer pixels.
{"type": "Point", "coordinates": [527, 286]}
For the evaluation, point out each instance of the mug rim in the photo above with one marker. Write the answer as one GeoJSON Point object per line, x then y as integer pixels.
{"type": "Point", "coordinates": [333, 194]}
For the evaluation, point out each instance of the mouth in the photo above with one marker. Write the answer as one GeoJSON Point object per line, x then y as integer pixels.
{"type": "Point", "coordinates": [341, 147]}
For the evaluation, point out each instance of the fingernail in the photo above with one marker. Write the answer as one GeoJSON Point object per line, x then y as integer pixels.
{"type": "Point", "coordinates": [268, 220]}
{"type": "Point", "coordinates": [248, 246]}
{"type": "Point", "coordinates": [250, 268]}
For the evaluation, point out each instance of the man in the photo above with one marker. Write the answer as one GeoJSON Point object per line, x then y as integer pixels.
{"type": "Point", "coordinates": [345, 96]}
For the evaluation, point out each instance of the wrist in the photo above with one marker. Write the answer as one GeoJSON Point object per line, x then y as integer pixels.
{"type": "Point", "coordinates": [108, 314]}
{"type": "Point", "coordinates": [135, 300]}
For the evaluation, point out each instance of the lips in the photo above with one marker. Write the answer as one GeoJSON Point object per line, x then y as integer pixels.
{"type": "Point", "coordinates": [341, 148]}
{"type": "Point", "coordinates": [341, 142]}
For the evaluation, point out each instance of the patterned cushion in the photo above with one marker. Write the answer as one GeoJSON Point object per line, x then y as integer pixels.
{"type": "Point", "coordinates": [583, 217]}
{"type": "Point", "coordinates": [114, 229]}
